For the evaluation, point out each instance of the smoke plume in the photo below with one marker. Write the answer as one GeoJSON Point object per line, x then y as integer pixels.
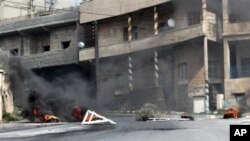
{"type": "Point", "coordinates": [57, 97]}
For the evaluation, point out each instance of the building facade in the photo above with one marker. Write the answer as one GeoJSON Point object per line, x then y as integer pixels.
{"type": "Point", "coordinates": [42, 41]}
{"type": "Point", "coordinates": [163, 52]}
{"type": "Point", "coordinates": [236, 51]}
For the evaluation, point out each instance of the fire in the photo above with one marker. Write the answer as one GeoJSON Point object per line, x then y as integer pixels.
{"type": "Point", "coordinates": [79, 112]}
{"type": "Point", "coordinates": [44, 117]}
{"type": "Point", "coordinates": [232, 113]}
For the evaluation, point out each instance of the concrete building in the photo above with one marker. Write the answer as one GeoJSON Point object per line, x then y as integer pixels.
{"type": "Point", "coordinates": [161, 51]}
{"type": "Point", "coordinates": [42, 41]}
{"type": "Point", "coordinates": [236, 29]}
{"type": "Point", "coordinates": [46, 44]}
{"type": "Point", "coordinates": [17, 8]}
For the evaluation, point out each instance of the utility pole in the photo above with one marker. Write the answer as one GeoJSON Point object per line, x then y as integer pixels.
{"type": "Point", "coordinates": [97, 62]}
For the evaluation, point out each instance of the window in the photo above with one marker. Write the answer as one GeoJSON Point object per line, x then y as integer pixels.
{"type": "Point", "coordinates": [213, 69]}
{"type": "Point", "coordinates": [194, 17]}
{"type": "Point", "coordinates": [14, 51]}
{"type": "Point", "coordinates": [134, 32]}
{"type": "Point", "coordinates": [125, 34]}
{"type": "Point", "coordinates": [245, 66]}
{"type": "Point", "coordinates": [46, 48]}
{"type": "Point", "coordinates": [65, 44]}
{"type": "Point", "coordinates": [182, 71]}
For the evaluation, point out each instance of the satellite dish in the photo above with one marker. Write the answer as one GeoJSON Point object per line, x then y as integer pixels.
{"type": "Point", "coordinates": [81, 44]}
{"type": "Point", "coordinates": [171, 22]}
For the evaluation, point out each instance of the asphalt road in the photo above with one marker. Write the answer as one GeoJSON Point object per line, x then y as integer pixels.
{"type": "Point", "coordinates": [126, 129]}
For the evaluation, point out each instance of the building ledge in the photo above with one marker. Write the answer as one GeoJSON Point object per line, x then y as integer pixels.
{"type": "Point", "coordinates": [98, 9]}
{"type": "Point", "coordinates": [38, 22]}
{"type": "Point", "coordinates": [236, 29]}
{"type": "Point", "coordinates": [160, 40]}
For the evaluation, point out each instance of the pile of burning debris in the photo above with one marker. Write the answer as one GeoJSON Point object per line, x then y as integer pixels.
{"type": "Point", "coordinates": [38, 111]}
{"type": "Point", "coordinates": [232, 113]}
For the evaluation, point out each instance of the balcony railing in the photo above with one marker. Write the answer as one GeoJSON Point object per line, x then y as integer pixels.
{"type": "Point", "coordinates": [162, 39]}
{"type": "Point", "coordinates": [52, 58]}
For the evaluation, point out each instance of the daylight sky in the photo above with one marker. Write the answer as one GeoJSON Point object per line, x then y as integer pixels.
{"type": "Point", "coordinates": [75, 2]}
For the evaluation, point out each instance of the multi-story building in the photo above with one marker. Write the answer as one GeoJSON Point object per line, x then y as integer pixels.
{"type": "Point", "coordinates": [16, 8]}
{"type": "Point", "coordinates": [46, 44]}
{"type": "Point", "coordinates": [236, 51]}
{"type": "Point", "coordinates": [161, 51]}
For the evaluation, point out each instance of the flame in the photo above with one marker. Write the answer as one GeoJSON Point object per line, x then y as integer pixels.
{"type": "Point", "coordinates": [77, 113]}
{"type": "Point", "coordinates": [232, 113]}
{"type": "Point", "coordinates": [44, 118]}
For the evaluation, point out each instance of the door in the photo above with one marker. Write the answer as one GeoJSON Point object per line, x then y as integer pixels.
{"type": "Point", "coordinates": [199, 104]}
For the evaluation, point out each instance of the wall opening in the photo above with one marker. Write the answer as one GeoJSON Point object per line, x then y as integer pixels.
{"type": "Point", "coordinates": [46, 48]}
{"type": "Point", "coordinates": [65, 44]}
{"type": "Point", "coordinates": [14, 51]}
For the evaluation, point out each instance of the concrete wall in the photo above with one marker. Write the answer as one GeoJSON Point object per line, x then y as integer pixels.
{"type": "Point", "coordinates": [241, 27]}
{"type": "Point", "coordinates": [192, 54]}
{"type": "Point", "coordinates": [9, 43]}
{"type": "Point", "coordinates": [111, 30]}
{"type": "Point", "coordinates": [114, 81]}
{"type": "Point", "coordinates": [30, 46]}
{"type": "Point", "coordinates": [110, 8]}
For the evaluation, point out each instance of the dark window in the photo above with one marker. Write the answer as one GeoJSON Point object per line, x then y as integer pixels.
{"type": "Point", "coordinates": [65, 44]}
{"type": "Point", "coordinates": [194, 17]}
{"type": "Point", "coordinates": [182, 71]}
{"type": "Point", "coordinates": [134, 32]}
{"type": "Point", "coordinates": [245, 66]}
{"type": "Point", "coordinates": [125, 34]}
{"type": "Point", "coordinates": [46, 48]}
{"type": "Point", "coordinates": [14, 51]}
{"type": "Point", "coordinates": [213, 69]}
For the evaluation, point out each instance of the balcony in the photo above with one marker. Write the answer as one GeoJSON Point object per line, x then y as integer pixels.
{"type": "Point", "coordinates": [52, 58]}
{"type": "Point", "coordinates": [239, 85]}
{"type": "Point", "coordinates": [160, 40]}
{"type": "Point", "coordinates": [236, 28]}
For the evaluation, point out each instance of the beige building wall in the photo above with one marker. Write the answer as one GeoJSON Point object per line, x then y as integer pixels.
{"type": "Point", "coordinates": [111, 30]}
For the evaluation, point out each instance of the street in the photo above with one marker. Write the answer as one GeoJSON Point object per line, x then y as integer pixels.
{"type": "Point", "coordinates": [128, 129]}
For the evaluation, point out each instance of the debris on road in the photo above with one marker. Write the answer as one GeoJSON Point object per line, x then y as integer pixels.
{"type": "Point", "coordinates": [187, 117]}
{"type": "Point", "coordinates": [92, 118]}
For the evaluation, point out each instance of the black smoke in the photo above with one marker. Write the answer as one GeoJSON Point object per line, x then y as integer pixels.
{"type": "Point", "coordinates": [58, 94]}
